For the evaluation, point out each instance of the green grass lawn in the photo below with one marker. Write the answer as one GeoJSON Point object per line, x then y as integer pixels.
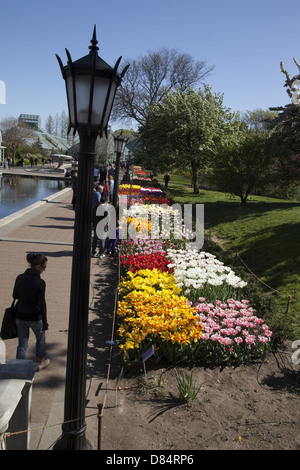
{"type": "Point", "coordinates": [264, 232]}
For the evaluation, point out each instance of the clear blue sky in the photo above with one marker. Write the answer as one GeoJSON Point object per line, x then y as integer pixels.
{"type": "Point", "coordinates": [244, 40]}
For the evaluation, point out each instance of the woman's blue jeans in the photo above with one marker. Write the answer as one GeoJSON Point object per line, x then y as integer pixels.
{"type": "Point", "coordinates": [24, 327]}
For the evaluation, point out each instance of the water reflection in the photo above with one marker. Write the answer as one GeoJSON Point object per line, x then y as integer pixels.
{"type": "Point", "coordinates": [17, 192]}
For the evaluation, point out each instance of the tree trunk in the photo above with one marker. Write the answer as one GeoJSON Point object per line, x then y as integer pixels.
{"type": "Point", "coordinates": [195, 178]}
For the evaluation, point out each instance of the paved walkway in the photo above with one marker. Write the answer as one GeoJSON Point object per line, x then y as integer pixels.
{"type": "Point", "coordinates": [48, 228]}
{"type": "Point", "coordinates": [49, 170]}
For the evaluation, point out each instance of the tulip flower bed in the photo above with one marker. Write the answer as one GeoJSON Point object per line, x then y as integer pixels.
{"type": "Point", "coordinates": [129, 189]}
{"type": "Point", "coordinates": [152, 199]}
{"type": "Point", "coordinates": [203, 273]}
{"type": "Point", "coordinates": [140, 195]}
{"type": "Point", "coordinates": [134, 263]}
{"type": "Point", "coordinates": [153, 313]}
{"type": "Point", "coordinates": [142, 176]}
{"type": "Point", "coordinates": [232, 333]}
{"type": "Point", "coordinates": [143, 253]}
{"type": "Point", "coordinates": [184, 303]}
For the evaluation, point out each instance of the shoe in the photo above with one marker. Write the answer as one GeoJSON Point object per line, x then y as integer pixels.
{"type": "Point", "coordinates": [42, 363]}
{"type": "Point", "coordinates": [102, 256]}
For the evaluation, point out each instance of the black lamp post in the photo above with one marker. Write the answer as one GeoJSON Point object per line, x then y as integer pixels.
{"type": "Point", "coordinates": [91, 85]}
{"type": "Point", "coordinates": [120, 143]}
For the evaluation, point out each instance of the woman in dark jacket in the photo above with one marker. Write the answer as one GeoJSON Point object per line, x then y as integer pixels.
{"type": "Point", "coordinates": [31, 310]}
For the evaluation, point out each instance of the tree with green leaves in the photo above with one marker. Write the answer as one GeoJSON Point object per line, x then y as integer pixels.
{"type": "Point", "coordinates": [259, 120]}
{"type": "Point", "coordinates": [186, 130]}
{"type": "Point", "coordinates": [244, 165]}
{"type": "Point", "coordinates": [14, 134]}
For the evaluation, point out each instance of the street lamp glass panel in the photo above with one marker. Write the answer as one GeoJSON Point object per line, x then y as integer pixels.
{"type": "Point", "coordinates": [101, 90]}
{"type": "Point", "coordinates": [82, 83]}
{"type": "Point", "coordinates": [120, 142]}
{"type": "Point", "coordinates": [83, 90]}
{"type": "Point", "coordinates": [71, 100]}
{"type": "Point", "coordinates": [110, 101]}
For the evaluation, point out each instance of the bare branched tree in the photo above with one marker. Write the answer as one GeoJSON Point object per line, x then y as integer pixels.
{"type": "Point", "coordinates": [149, 77]}
{"type": "Point", "coordinates": [290, 82]}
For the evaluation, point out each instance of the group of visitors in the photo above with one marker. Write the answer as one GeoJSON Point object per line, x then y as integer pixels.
{"type": "Point", "coordinates": [102, 195]}
{"type": "Point", "coordinates": [104, 176]}
{"type": "Point", "coordinates": [102, 211]}
{"type": "Point", "coordinates": [33, 161]}
{"type": "Point", "coordinates": [8, 163]}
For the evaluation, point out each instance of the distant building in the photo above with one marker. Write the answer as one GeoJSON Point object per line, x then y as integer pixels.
{"type": "Point", "coordinates": [31, 120]}
{"type": "Point", "coordinates": [51, 143]}
{"type": "Point", "coordinates": [132, 147]}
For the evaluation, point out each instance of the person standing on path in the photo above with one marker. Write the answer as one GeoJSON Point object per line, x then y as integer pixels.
{"type": "Point", "coordinates": [102, 233]}
{"type": "Point", "coordinates": [31, 310]}
{"type": "Point", "coordinates": [112, 243]}
{"type": "Point", "coordinates": [74, 188]}
{"type": "Point", "coordinates": [95, 203]}
{"type": "Point", "coordinates": [111, 187]}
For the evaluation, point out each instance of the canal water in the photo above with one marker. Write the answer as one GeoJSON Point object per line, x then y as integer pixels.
{"type": "Point", "coordinates": [18, 192]}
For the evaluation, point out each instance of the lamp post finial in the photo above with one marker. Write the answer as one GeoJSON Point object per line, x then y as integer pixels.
{"type": "Point", "coordinates": [94, 42]}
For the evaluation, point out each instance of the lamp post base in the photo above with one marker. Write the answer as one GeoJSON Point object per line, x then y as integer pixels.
{"type": "Point", "coordinates": [73, 440]}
